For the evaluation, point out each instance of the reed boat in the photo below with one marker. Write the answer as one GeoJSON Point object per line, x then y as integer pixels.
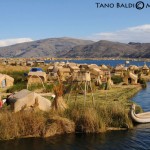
{"type": "Point", "coordinates": [141, 117]}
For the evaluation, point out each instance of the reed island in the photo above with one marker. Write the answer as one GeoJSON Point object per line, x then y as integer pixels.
{"type": "Point", "coordinates": [41, 99]}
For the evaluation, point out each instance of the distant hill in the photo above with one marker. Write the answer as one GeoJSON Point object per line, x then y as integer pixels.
{"type": "Point", "coordinates": [52, 47]}
{"type": "Point", "coordinates": [69, 47]}
{"type": "Point", "coordinates": [110, 49]}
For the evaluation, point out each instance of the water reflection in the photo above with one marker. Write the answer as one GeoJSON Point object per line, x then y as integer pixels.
{"type": "Point", "coordinates": [116, 140]}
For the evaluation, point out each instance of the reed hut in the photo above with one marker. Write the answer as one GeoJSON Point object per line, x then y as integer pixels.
{"type": "Point", "coordinates": [130, 78]}
{"type": "Point", "coordinates": [91, 66]}
{"type": "Point", "coordinates": [50, 70]}
{"type": "Point", "coordinates": [96, 74]}
{"type": "Point", "coordinates": [30, 63]}
{"type": "Point", "coordinates": [119, 70]}
{"type": "Point", "coordinates": [6, 81]}
{"type": "Point", "coordinates": [37, 77]}
{"type": "Point", "coordinates": [64, 73]}
{"type": "Point", "coordinates": [74, 69]}
{"type": "Point", "coordinates": [55, 70]}
{"type": "Point", "coordinates": [68, 64]}
{"type": "Point", "coordinates": [133, 68]}
{"type": "Point", "coordinates": [27, 100]}
{"type": "Point", "coordinates": [39, 62]}
{"type": "Point", "coordinates": [145, 69]}
{"type": "Point", "coordinates": [105, 69]}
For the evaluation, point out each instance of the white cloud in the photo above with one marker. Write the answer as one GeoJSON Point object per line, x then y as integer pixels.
{"type": "Point", "coordinates": [131, 34]}
{"type": "Point", "coordinates": [7, 42]}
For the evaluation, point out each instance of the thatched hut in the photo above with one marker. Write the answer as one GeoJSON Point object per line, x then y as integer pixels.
{"type": "Point", "coordinates": [50, 70]}
{"type": "Point", "coordinates": [27, 100]}
{"type": "Point", "coordinates": [91, 66]}
{"type": "Point", "coordinates": [6, 81]}
{"type": "Point", "coordinates": [68, 64]}
{"type": "Point", "coordinates": [96, 73]}
{"type": "Point", "coordinates": [39, 62]}
{"type": "Point", "coordinates": [36, 77]}
{"type": "Point", "coordinates": [83, 76]}
{"type": "Point", "coordinates": [119, 70]}
{"type": "Point", "coordinates": [30, 63]}
{"type": "Point", "coordinates": [130, 78]}
{"type": "Point", "coordinates": [74, 69]}
{"type": "Point", "coordinates": [133, 68]}
{"type": "Point", "coordinates": [83, 66]}
{"type": "Point", "coordinates": [64, 73]}
{"type": "Point", "coordinates": [55, 70]}
{"type": "Point", "coordinates": [105, 69]}
{"type": "Point", "coordinates": [145, 69]}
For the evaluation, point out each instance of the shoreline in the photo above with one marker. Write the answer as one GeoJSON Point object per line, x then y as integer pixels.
{"type": "Point", "coordinates": [73, 58]}
{"type": "Point", "coordinates": [61, 123]}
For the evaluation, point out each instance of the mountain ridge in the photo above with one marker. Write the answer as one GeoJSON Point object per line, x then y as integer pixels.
{"type": "Point", "coordinates": [71, 47]}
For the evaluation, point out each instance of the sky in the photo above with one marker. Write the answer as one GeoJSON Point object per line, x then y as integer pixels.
{"type": "Point", "coordinates": [27, 20]}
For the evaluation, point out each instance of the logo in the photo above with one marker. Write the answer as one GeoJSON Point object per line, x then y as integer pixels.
{"type": "Point", "coordinates": [140, 5]}
{"type": "Point", "coordinates": [137, 5]}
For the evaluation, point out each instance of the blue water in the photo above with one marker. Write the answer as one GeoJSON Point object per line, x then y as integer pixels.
{"type": "Point", "coordinates": [143, 98]}
{"type": "Point", "coordinates": [107, 62]}
{"type": "Point", "coordinates": [136, 139]}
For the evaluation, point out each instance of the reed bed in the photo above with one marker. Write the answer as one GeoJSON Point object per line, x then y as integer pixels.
{"type": "Point", "coordinates": [111, 110]}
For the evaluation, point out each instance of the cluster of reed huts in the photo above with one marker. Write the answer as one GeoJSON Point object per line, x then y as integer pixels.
{"type": "Point", "coordinates": [22, 62]}
{"type": "Point", "coordinates": [99, 74]}
{"type": "Point", "coordinates": [70, 72]}
{"type": "Point", "coordinates": [79, 72]}
{"type": "Point", "coordinates": [132, 73]}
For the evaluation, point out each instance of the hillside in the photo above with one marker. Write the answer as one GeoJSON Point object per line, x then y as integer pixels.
{"type": "Point", "coordinates": [69, 47]}
{"type": "Point", "coordinates": [110, 49]}
{"type": "Point", "coordinates": [51, 47]}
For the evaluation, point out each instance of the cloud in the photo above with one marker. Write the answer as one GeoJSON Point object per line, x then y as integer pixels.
{"type": "Point", "coordinates": [131, 34]}
{"type": "Point", "coordinates": [7, 42]}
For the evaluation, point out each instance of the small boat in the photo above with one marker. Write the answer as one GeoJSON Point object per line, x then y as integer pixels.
{"type": "Point", "coordinates": [141, 117]}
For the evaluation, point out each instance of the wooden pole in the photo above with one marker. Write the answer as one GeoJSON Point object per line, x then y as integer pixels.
{"type": "Point", "coordinates": [92, 94]}
{"type": "Point", "coordinates": [85, 94]}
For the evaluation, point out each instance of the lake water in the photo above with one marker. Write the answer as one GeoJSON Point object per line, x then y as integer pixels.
{"type": "Point", "coordinates": [136, 139]}
{"type": "Point", "coordinates": [106, 62]}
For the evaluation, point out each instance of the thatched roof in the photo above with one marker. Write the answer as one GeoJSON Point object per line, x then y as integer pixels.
{"type": "Point", "coordinates": [56, 68]}
{"type": "Point", "coordinates": [50, 67]}
{"type": "Point", "coordinates": [40, 74]}
{"type": "Point", "coordinates": [145, 67]}
{"type": "Point", "coordinates": [28, 99]}
{"type": "Point", "coordinates": [133, 76]}
{"type": "Point", "coordinates": [92, 66]}
{"type": "Point", "coordinates": [119, 68]}
{"type": "Point", "coordinates": [133, 67]}
{"type": "Point", "coordinates": [104, 67]}
{"type": "Point", "coordinates": [64, 70]}
{"type": "Point", "coordinates": [71, 64]}
{"type": "Point", "coordinates": [5, 76]}
{"type": "Point", "coordinates": [21, 94]}
{"type": "Point", "coordinates": [96, 71]}
{"type": "Point", "coordinates": [74, 68]}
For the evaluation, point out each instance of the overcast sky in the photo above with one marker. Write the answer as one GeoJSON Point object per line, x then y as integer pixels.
{"type": "Point", "coordinates": [27, 20]}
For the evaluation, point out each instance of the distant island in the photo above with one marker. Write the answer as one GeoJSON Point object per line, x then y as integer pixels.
{"type": "Point", "coordinates": [76, 48]}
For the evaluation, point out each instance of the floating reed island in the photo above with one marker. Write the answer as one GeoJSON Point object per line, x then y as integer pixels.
{"type": "Point", "coordinates": [58, 98]}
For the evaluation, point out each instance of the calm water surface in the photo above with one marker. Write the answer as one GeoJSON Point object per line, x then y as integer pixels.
{"type": "Point", "coordinates": [136, 139]}
{"type": "Point", "coordinates": [107, 62]}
